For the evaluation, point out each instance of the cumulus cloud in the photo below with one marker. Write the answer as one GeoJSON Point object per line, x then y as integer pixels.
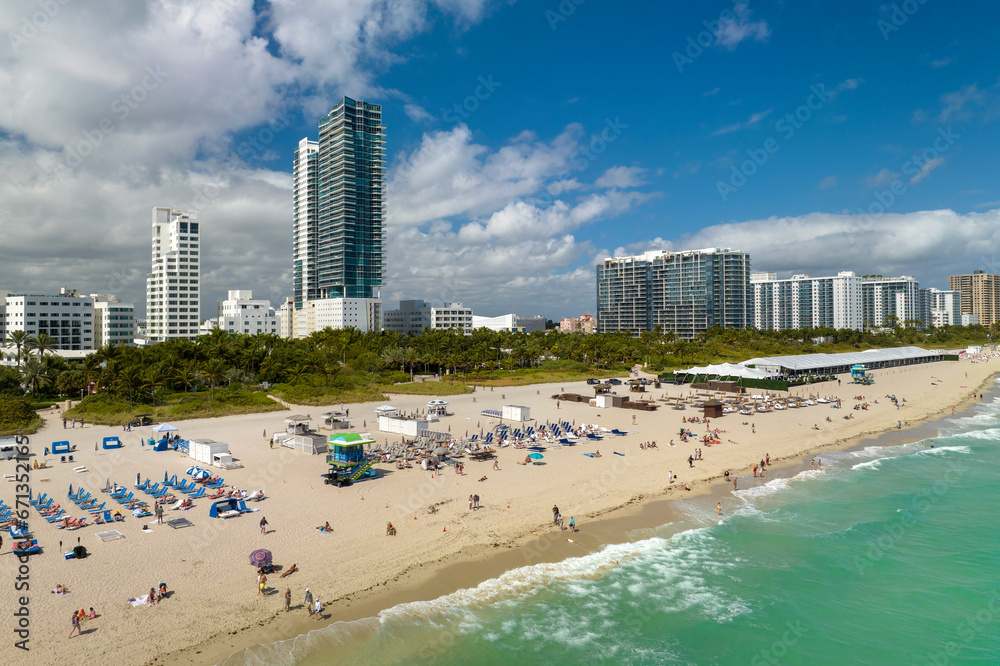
{"type": "Point", "coordinates": [620, 176]}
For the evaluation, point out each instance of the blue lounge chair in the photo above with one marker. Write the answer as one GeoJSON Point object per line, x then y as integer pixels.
{"type": "Point", "coordinates": [47, 504]}
{"type": "Point", "coordinates": [143, 486]}
{"type": "Point", "coordinates": [218, 484]}
{"type": "Point", "coordinates": [71, 458]}
{"type": "Point", "coordinates": [55, 518]}
{"type": "Point", "coordinates": [159, 493]}
{"type": "Point", "coordinates": [142, 513]}
{"type": "Point", "coordinates": [172, 483]}
{"type": "Point", "coordinates": [20, 532]}
{"type": "Point", "coordinates": [5, 514]}
{"type": "Point", "coordinates": [87, 506]}
{"type": "Point", "coordinates": [126, 499]}
{"type": "Point", "coordinates": [97, 509]}
{"type": "Point", "coordinates": [38, 500]}
{"type": "Point", "coordinates": [33, 549]}
{"type": "Point", "coordinates": [199, 493]}
{"type": "Point", "coordinates": [242, 506]}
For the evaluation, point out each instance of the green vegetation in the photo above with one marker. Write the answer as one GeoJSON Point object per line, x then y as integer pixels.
{"type": "Point", "coordinates": [224, 373]}
{"type": "Point", "coordinates": [106, 408]}
{"type": "Point", "coordinates": [17, 416]}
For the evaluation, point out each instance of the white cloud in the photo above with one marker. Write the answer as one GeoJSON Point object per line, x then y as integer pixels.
{"type": "Point", "coordinates": [750, 122]}
{"type": "Point", "coordinates": [827, 183]}
{"type": "Point", "coordinates": [955, 102]}
{"type": "Point", "coordinates": [417, 113]}
{"type": "Point", "coordinates": [927, 244]}
{"type": "Point", "coordinates": [882, 177]}
{"type": "Point", "coordinates": [925, 169]}
{"type": "Point", "coordinates": [621, 177]}
{"type": "Point", "coordinates": [734, 31]}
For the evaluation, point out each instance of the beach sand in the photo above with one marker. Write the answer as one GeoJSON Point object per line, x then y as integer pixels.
{"type": "Point", "coordinates": [214, 608]}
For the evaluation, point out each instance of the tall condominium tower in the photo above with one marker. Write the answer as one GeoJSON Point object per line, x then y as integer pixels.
{"type": "Point", "coordinates": [172, 293]}
{"type": "Point", "coordinates": [683, 292]}
{"type": "Point", "coordinates": [980, 294]}
{"type": "Point", "coordinates": [807, 302]}
{"type": "Point", "coordinates": [339, 219]}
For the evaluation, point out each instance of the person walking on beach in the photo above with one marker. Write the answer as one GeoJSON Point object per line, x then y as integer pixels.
{"type": "Point", "coordinates": [555, 515]}
{"type": "Point", "coordinates": [718, 508]}
{"type": "Point", "coordinates": [318, 610]}
{"type": "Point", "coordinates": [76, 625]}
{"type": "Point", "coordinates": [475, 501]}
{"type": "Point", "coordinates": [572, 524]}
{"type": "Point", "coordinates": [309, 602]}
{"type": "Point", "coordinates": [64, 424]}
{"type": "Point", "coordinates": [735, 478]}
{"type": "Point", "coordinates": [496, 464]}
{"type": "Point", "coordinates": [470, 502]}
{"type": "Point", "coordinates": [288, 598]}
{"type": "Point", "coordinates": [261, 583]}
{"type": "Point", "coordinates": [263, 524]}
{"type": "Point", "coordinates": [690, 461]}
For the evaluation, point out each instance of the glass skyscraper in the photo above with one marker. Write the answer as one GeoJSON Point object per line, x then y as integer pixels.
{"type": "Point", "coordinates": [683, 292]}
{"type": "Point", "coordinates": [339, 217]}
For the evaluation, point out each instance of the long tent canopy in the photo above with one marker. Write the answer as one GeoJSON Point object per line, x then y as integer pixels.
{"type": "Point", "coordinates": [730, 370]}
{"type": "Point", "coordinates": [871, 359]}
{"type": "Point", "coordinates": [165, 427]}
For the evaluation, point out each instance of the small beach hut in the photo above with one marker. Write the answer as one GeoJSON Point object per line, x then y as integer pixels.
{"type": "Point", "coordinates": [713, 409]}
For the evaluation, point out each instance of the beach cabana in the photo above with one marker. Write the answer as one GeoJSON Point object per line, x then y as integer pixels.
{"type": "Point", "coordinates": [112, 443]}
{"type": "Point", "coordinates": [60, 447]}
{"type": "Point", "coordinates": [713, 409]}
{"type": "Point", "coordinates": [224, 509]}
{"type": "Point", "coordinates": [386, 410]}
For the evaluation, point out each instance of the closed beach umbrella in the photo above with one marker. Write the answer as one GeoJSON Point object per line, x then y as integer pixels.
{"type": "Point", "coordinates": [536, 456]}
{"type": "Point", "coordinates": [260, 557]}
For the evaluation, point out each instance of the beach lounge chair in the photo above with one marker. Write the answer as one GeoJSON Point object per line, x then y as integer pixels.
{"type": "Point", "coordinates": [20, 532]}
{"type": "Point", "coordinates": [126, 499]}
{"type": "Point", "coordinates": [159, 493]}
{"type": "Point", "coordinates": [90, 504]}
{"type": "Point", "coordinates": [120, 493]}
{"type": "Point", "coordinates": [46, 505]}
{"type": "Point", "coordinates": [38, 500]}
{"type": "Point", "coordinates": [143, 486]}
{"type": "Point", "coordinates": [242, 506]}
{"type": "Point", "coordinates": [141, 513]}
{"type": "Point", "coordinates": [97, 509]}
{"type": "Point", "coordinates": [218, 484]}
{"type": "Point", "coordinates": [172, 483]}
{"type": "Point", "coordinates": [33, 549]}
{"type": "Point", "coordinates": [199, 493]}
{"type": "Point", "coordinates": [55, 518]}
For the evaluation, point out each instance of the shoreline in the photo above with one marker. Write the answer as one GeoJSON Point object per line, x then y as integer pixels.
{"type": "Point", "coordinates": [626, 522]}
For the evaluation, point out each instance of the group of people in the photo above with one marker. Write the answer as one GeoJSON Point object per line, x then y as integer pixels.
{"type": "Point", "coordinates": [78, 618]}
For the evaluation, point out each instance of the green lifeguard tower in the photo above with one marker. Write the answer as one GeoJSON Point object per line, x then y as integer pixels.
{"type": "Point", "coordinates": [348, 460]}
{"type": "Point", "coordinates": [859, 376]}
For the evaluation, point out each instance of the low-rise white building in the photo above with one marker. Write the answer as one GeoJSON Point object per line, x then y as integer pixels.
{"type": "Point", "coordinates": [67, 317]}
{"type": "Point", "coordinates": [364, 314]}
{"type": "Point", "coordinates": [510, 322]}
{"type": "Point", "coordinates": [413, 316]}
{"type": "Point", "coordinates": [242, 313]}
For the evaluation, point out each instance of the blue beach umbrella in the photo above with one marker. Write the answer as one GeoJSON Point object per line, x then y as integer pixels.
{"type": "Point", "coordinates": [202, 474]}
{"type": "Point", "coordinates": [192, 470]}
{"type": "Point", "coordinates": [260, 558]}
{"type": "Point", "coordinates": [536, 456]}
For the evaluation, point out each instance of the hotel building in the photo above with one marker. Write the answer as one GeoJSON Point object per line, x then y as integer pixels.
{"type": "Point", "coordinates": [980, 293]}
{"type": "Point", "coordinates": [173, 299]}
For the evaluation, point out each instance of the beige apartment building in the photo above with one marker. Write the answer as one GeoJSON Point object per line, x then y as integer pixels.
{"type": "Point", "coordinates": [980, 295]}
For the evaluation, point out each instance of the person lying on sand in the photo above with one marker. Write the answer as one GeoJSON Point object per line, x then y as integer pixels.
{"type": "Point", "coordinates": [291, 569]}
{"type": "Point", "coordinates": [60, 589]}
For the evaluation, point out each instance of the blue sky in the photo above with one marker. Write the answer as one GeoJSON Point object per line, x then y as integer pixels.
{"type": "Point", "coordinates": [582, 130]}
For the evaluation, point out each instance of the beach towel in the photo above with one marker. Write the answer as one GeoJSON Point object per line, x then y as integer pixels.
{"type": "Point", "coordinates": [590, 455]}
{"type": "Point", "coordinates": [141, 601]}
{"type": "Point", "coordinates": [619, 454]}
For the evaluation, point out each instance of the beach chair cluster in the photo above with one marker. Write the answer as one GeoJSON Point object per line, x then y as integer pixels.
{"type": "Point", "coordinates": [18, 529]}
{"type": "Point", "coordinates": [125, 497]}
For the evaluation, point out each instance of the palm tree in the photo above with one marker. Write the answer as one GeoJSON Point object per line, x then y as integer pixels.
{"type": "Point", "coordinates": [41, 343]}
{"type": "Point", "coordinates": [34, 374]}
{"type": "Point", "coordinates": [214, 371]}
{"type": "Point", "coordinates": [18, 340]}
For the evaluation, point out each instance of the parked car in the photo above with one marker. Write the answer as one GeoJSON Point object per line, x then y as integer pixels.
{"type": "Point", "coordinates": [615, 382]}
{"type": "Point", "coordinates": [593, 381]}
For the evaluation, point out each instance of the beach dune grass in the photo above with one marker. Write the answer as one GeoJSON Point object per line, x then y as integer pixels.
{"type": "Point", "coordinates": [104, 409]}
{"type": "Point", "coordinates": [431, 388]}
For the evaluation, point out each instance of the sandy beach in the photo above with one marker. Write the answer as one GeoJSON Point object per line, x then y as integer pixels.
{"type": "Point", "coordinates": [214, 607]}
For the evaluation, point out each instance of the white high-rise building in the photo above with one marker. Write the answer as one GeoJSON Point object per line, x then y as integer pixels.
{"type": "Point", "coordinates": [887, 301]}
{"type": "Point", "coordinates": [241, 313]}
{"type": "Point", "coordinates": [946, 307]}
{"type": "Point", "coordinates": [173, 301]}
{"type": "Point", "coordinates": [114, 321]}
{"type": "Point", "coordinates": [802, 301]}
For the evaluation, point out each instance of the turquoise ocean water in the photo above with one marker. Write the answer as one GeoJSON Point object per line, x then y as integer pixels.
{"type": "Point", "coordinates": [890, 555]}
